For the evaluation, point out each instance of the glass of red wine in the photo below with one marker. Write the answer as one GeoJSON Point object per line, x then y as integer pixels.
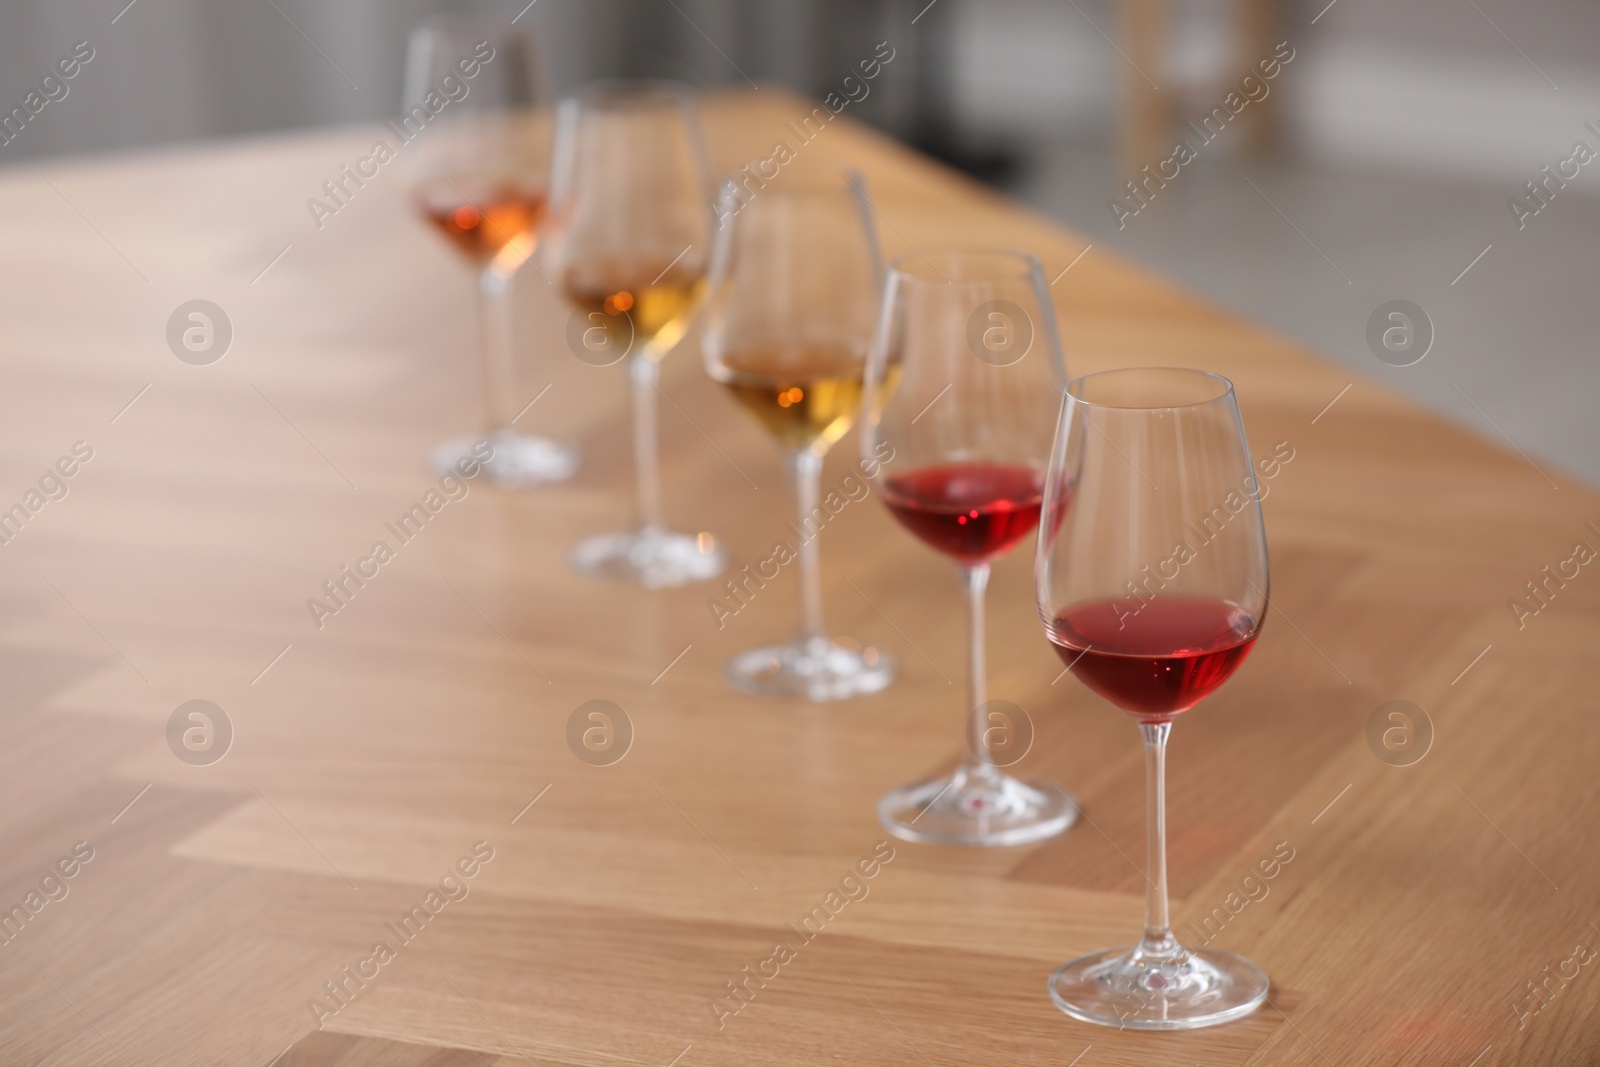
{"type": "Point", "coordinates": [960, 403]}
{"type": "Point", "coordinates": [1152, 585]}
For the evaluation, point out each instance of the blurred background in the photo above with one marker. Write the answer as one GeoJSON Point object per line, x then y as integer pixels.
{"type": "Point", "coordinates": [1381, 161]}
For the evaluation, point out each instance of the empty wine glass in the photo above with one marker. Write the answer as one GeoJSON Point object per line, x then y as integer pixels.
{"type": "Point", "coordinates": [477, 155]}
{"type": "Point", "coordinates": [794, 302]}
{"type": "Point", "coordinates": [1152, 584]}
{"type": "Point", "coordinates": [628, 241]}
{"type": "Point", "coordinates": [960, 408]}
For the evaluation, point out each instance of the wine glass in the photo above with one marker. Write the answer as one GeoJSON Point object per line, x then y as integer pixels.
{"type": "Point", "coordinates": [795, 277]}
{"type": "Point", "coordinates": [477, 154]}
{"type": "Point", "coordinates": [627, 242]}
{"type": "Point", "coordinates": [1152, 585]}
{"type": "Point", "coordinates": [960, 407]}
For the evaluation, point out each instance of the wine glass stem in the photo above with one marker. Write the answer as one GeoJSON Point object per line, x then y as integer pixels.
{"type": "Point", "coordinates": [644, 372]}
{"type": "Point", "coordinates": [805, 472]}
{"type": "Point", "coordinates": [979, 768]}
{"type": "Point", "coordinates": [499, 352]}
{"type": "Point", "coordinates": [1158, 939]}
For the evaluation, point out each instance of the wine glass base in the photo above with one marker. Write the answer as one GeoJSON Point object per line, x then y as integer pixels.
{"type": "Point", "coordinates": [655, 559]}
{"type": "Point", "coordinates": [962, 810]}
{"type": "Point", "coordinates": [519, 460]}
{"type": "Point", "coordinates": [818, 670]}
{"type": "Point", "coordinates": [1125, 989]}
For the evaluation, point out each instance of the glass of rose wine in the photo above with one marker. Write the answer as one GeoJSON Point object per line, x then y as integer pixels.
{"type": "Point", "coordinates": [477, 154]}
{"type": "Point", "coordinates": [627, 242]}
{"type": "Point", "coordinates": [961, 391]}
{"type": "Point", "coordinates": [795, 278]}
{"type": "Point", "coordinates": [1152, 584]}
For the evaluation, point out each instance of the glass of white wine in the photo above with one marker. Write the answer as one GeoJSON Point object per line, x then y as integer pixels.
{"type": "Point", "coordinates": [795, 278]}
{"type": "Point", "coordinates": [627, 242]}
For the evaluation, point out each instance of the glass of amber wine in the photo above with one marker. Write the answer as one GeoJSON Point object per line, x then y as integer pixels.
{"type": "Point", "coordinates": [477, 154]}
{"type": "Point", "coordinates": [627, 242]}
{"type": "Point", "coordinates": [795, 277]}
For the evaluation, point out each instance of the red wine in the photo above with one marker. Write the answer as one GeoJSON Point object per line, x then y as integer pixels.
{"type": "Point", "coordinates": [972, 511]}
{"type": "Point", "coordinates": [1155, 660]}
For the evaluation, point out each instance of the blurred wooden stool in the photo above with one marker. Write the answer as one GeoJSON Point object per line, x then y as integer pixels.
{"type": "Point", "coordinates": [1150, 115]}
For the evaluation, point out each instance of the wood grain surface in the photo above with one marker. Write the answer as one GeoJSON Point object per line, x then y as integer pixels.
{"type": "Point", "coordinates": [428, 718]}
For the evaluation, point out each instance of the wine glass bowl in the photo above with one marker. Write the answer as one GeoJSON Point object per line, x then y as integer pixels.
{"type": "Point", "coordinates": [627, 243]}
{"type": "Point", "coordinates": [477, 154]}
{"type": "Point", "coordinates": [961, 392]}
{"type": "Point", "coordinates": [972, 511]}
{"type": "Point", "coordinates": [794, 302]}
{"type": "Point", "coordinates": [490, 222]}
{"type": "Point", "coordinates": [1152, 578]}
{"type": "Point", "coordinates": [629, 235]}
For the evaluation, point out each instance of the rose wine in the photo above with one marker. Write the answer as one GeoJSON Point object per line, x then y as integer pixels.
{"type": "Point", "coordinates": [807, 395]}
{"type": "Point", "coordinates": [487, 222]}
{"type": "Point", "coordinates": [1154, 658]}
{"type": "Point", "coordinates": [972, 511]}
{"type": "Point", "coordinates": [657, 298]}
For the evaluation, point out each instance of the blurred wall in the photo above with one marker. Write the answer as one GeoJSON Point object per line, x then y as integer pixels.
{"type": "Point", "coordinates": [179, 70]}
{"type": "Point", "coordinates": [1430, 86]}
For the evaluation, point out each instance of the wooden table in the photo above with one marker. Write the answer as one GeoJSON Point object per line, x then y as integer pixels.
{"type": "Point", "coordinates": [369, 756]}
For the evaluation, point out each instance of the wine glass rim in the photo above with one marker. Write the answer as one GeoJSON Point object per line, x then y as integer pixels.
{"type": "Point", "coordinates": [1023, 265]}
{"type": "Point", "coordinates": [623, 93]}
{"type": "Point", "coordinates": [1224, 388]}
